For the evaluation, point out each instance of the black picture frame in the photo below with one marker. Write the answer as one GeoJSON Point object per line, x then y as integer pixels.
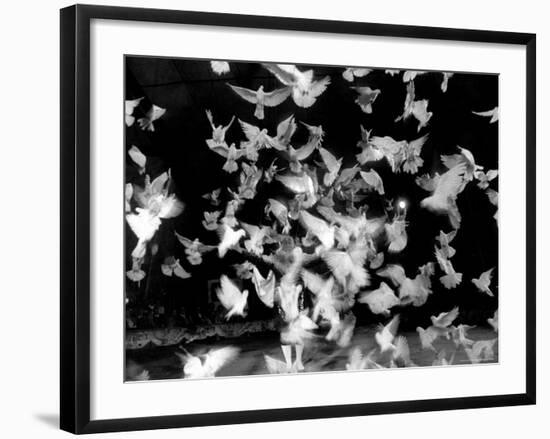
{"type": "Point", "coordinates": [75, 217]}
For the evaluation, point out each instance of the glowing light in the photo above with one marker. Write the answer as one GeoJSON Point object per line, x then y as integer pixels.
{"type": "Point", "coordinates": [402, 204]}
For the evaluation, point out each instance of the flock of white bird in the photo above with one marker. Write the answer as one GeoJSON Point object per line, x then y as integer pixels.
{"type": "Point", "coordinates": [324, 220]}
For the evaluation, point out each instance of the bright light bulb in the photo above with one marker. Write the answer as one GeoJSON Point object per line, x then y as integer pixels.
{"type": "Point", "coordinates": [402, 204]}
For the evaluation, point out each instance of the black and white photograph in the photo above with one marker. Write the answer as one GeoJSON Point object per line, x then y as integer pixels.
{"type": "Point", "coordinates": [288, 218]}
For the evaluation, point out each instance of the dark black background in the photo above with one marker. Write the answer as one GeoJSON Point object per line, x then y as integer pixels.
{"type": "Point", "coordinates": [187, 87]}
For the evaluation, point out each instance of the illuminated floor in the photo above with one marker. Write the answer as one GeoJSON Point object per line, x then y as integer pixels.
{"type": "Point", "coordinates": [162, 363]}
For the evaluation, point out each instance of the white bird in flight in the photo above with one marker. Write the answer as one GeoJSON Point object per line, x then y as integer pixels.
{"type": "Point", "coordinates": [493, 114]}
{"type": "Point", "coordinates": [385, 335]}
{"type": "Point", "coordinates": [366, 98]}
{"type": "Point", "coordinates": [232, 298]}
{"type": "Point", "coordinates": [445, 319]}
{"type": "Point", "coordinates": [261, 98]}
{"type": "Point", "coordinates": [138, 158]}
{"type": "Point", "coordinates": [445, 189]}
{"type": "Point", "coordinates": [484, 282]}
{"type": "Point", "coordinates": [332, 164]}
{"type": "Point", "coordinates": [218, 132]}
{"type": "Point", "coordinates": [206, 367]}
{"type": "Point", "coordinates": [381, 300]}
{"type": "Point", "coordinates": [220, 67]}
{"type": "Point", "coordinates": [154, 113]}
{"type": "Point", "coordinates": [319, 228]}
{"type": "Point", "coordinates": [129, 107]}
{"type": "Point", "coordinates": [305, 90]}
{"type": "Point", "coordinates": [228, 238]}
{"type": "Point", "coordinates": [355, 72]}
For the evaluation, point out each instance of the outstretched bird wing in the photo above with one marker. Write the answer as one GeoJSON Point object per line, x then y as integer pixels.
{"type": "Point", "coordinates": [245, 93]}
{"type": "Point", "coordinates": [277, 96]}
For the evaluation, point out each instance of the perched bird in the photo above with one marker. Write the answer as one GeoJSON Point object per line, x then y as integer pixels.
{"type": "Point", "coordinates": [445, 189]}
{"type": "Point", "coordinates": [220, 67]}
{"type": "Point", "coordinates": [355, 72]}
{"type": "Point", "coordinates": [231, 154]}
{"type": "Point", "coordinates": [262, 99]}
{"type": "Point", "coordinates": [154, 113]}
{"type": "Point", "coordinates": [129, 107]}
{"type": "Point", "coordinates": [138, 158]}
{"type": "Point", "coordinates": [218, 132]}
{"type": "Point", "coordinates": [332, 164]}
{"type": "Point", "coordinates": [228, 238]}
{"type": "Point", "coordinates": [305, 90]}
{"type": "Point", "coordinates": [366, 98]}
{"type": "Point", "coordinates": [385, 335]}
{"type": "Point", "coordinates": [265, 287]}
{"type": "Point", "coordinates": [207, 365]}
{"type": "Point", "coordinates": [484, 282]}
{"type": "Point", "coordinates": [381, 300]}
{"type": "Point", "coordinates": [493, 114]}
{"type": "Point", "coordinates": [232, 298]}
{"type": "Point", "coordinates": [172, 266]}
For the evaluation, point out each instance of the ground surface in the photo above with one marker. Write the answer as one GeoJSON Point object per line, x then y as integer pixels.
{"type": "Point", "coordinates": [319, 355]}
